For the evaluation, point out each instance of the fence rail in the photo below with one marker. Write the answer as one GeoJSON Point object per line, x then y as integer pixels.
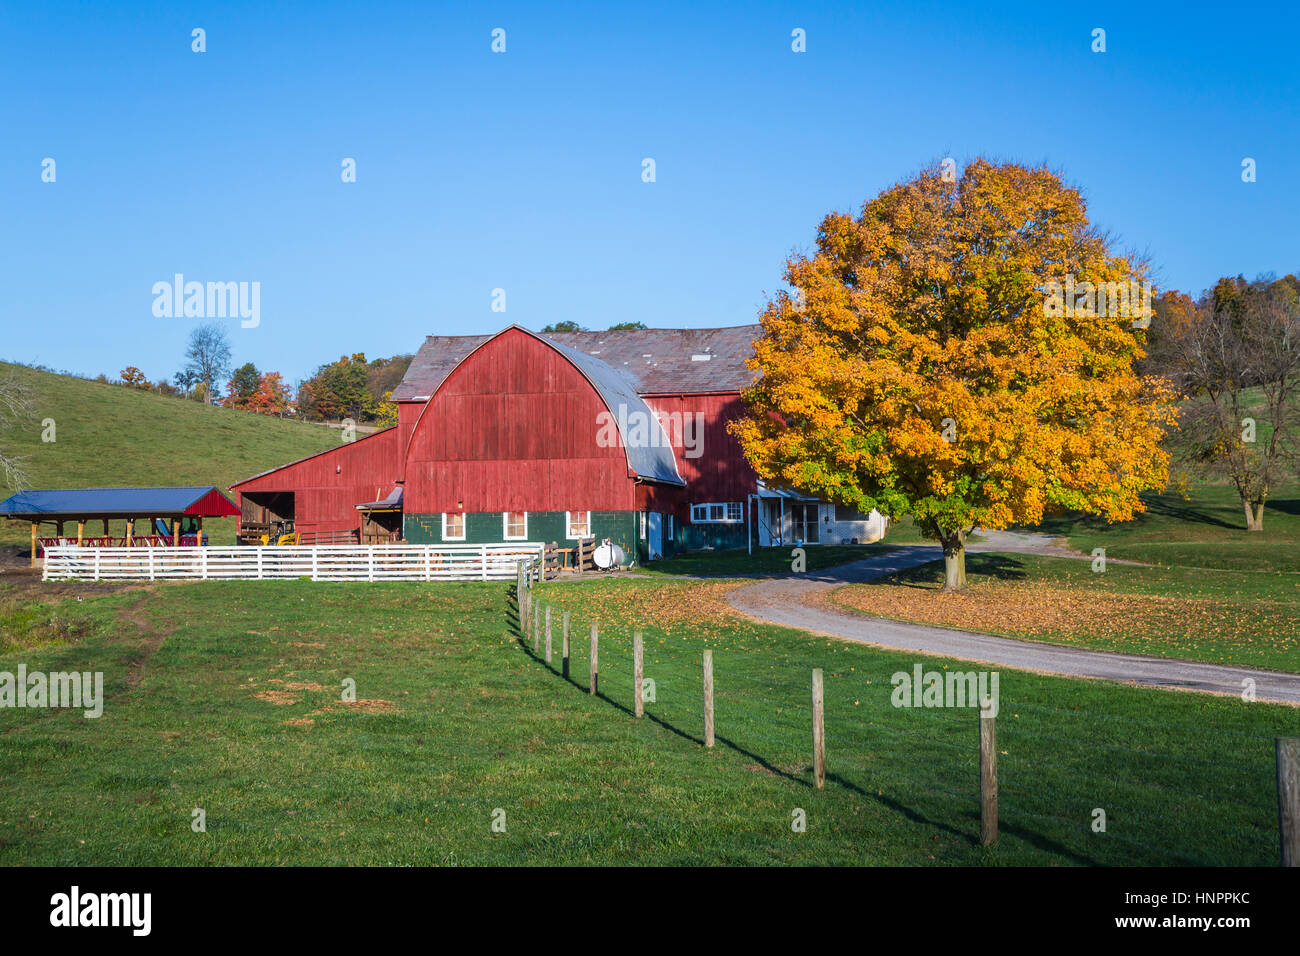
{"type": "Point", "coordinates": [379, 562]}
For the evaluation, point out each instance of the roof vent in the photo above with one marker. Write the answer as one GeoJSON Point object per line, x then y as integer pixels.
{"type": "Point", "coordinates": [700, 358]}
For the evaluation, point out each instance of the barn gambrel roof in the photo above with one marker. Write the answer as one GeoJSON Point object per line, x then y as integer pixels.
{"type": "Point", "coordinates": [655, 361]}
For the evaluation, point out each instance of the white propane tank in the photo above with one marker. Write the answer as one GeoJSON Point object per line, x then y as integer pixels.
{"type": "Point", "coordinates": [608, 555]}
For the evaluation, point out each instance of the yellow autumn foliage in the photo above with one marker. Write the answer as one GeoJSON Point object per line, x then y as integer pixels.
{"type": "Point", "coordinates": [924, 367]}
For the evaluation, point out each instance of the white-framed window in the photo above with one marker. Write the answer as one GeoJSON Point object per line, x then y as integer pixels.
{"type": "Point", "coordinates": [453, 526]}
{"type": "Point", "coordinates": [714, 512]}
{"type": "Point", "coordinates": [643, 520]}
{"type": "Point", "coordinates": [514, 525]}
{"type": "Point", "coordinates": [579, 524]}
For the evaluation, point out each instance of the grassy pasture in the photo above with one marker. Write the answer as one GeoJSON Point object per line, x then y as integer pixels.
{"type": "Point", "coordinates": [226, 696]}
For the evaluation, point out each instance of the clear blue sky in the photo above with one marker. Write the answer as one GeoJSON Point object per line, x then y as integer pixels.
{"type": "Point", "coordinates": [523, 171]}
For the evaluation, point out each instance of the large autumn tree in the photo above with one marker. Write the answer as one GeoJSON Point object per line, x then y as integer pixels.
{"type": "Point", "coordinates": [942, 358]}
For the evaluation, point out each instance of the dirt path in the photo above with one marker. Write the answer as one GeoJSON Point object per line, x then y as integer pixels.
{"type": "Point", "coordinates": [783, 601]}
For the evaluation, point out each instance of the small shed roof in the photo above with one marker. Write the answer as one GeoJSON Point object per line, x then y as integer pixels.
{"type": "Point", "coordinates": [46, 503]}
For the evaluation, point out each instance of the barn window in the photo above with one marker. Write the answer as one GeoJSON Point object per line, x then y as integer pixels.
{"type": "Point", "coordinates": [643, 519]}
{"type": "Point", "coordinates": [726, 512]}
{"type": "Point", "coordinates": [579, 524]}
{"type": "Point", "coordinates": [453, 526]}
{"type": "Point", "coordinates": [515, 524]}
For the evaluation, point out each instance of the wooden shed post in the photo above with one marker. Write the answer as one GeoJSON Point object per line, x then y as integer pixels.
{"type": "Point", "coordinates": [130, 531]}
{"type": "Point", "coordinates": [198, 534]}
{"type": "Point", "coordinates": [105, 527]}
{"type": "Point", "coordinates": [33, 564]}
{"type": "Point", "coordinates": [176, 532]}
{"type": "Point", "coordinates": [81, 531]}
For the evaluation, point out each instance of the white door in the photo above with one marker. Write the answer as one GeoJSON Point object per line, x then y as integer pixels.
{"type": "Point", "coordinates": [804, 519]}
{"type": "Point", "coordinates": [655, 535]}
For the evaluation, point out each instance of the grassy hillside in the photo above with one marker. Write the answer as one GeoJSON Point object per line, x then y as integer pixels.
{"type": "Point", "coordinates": [107, 435]}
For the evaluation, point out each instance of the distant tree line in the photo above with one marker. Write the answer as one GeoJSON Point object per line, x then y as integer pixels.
{"type": "Point", "coordinates": [354, 388]}
{"type": "Point", "coordinates": [1234, 354]}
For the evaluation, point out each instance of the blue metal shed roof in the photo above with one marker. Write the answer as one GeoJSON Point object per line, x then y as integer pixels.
{"type": "Point", "coordinates": [127, 502]}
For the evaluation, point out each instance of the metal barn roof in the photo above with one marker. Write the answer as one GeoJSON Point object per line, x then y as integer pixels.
{"type": "Point", "coordinates": [652, 459]}
{"type": "Point", "coordinates": [47, 503]}
{"type": "Point", "coordinates": [656, 361]}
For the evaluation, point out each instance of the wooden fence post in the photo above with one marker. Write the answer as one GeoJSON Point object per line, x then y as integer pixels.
{"type": "Point", "coordinates": [708, 698]}
{"type": "Point", "coordinates": [638, 663]}
{"type": "Point", "coordinates": [988, 780]}
{"type": "Point", "coordinates": [1288, 799]}
{"type": "Point", "coordinates": [819, 729]}
{"type": "Point", "coordinates": [537, 628]}
{"type": "Point", "coordinates": [564, 644]}
{"type": "Point", "coordinates": [548, 633]}
{"type": "Point", "coordinates": [519, 591]}
{"type": "Point", "coordinates": [595, 669]}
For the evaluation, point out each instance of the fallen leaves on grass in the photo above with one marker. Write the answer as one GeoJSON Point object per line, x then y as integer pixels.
{"type": "Point", "coordinates": [278, 697]}
{"type": "Point", "coordinates": [1077, 614]}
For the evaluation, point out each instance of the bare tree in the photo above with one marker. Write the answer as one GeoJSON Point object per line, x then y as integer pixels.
{"type": "Point", "coordinates": [208, 357]}
{"type": "Point", "coordinates": [1236, 355]}
{"type": "Point", "coordinates": [16, 406]}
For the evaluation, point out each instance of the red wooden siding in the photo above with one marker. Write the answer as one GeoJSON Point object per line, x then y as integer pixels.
{"type": "Point", "coordinates": [327, 487]}
{"type": "Point", "coordinates": [721, 473]}
{"type": "Point", "coordinates": [514, 428]}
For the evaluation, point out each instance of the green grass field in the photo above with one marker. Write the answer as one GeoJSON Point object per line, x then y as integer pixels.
{"type": "Point", "coordinates": [107, 435]}
{"type": "Point", "coordinates": [225, 696]}
{"type": "Point", "coordinates": [1207, 531]}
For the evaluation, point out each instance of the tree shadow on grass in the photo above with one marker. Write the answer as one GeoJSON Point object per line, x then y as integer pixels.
{"type": "Point", "coordinates": [930, 578]}
{"type": "Point", "coordinates": [1180, 510]}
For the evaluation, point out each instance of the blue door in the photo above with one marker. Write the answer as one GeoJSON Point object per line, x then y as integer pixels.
{"type": "Point", "coordinates": [655, 535]}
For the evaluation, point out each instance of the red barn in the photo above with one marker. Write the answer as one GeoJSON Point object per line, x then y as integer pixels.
{"type": "Point", "coordinates": [519, 436]}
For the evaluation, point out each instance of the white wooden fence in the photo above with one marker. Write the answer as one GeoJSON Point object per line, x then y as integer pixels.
{"type": "Point", "coordinates": [379, 562]}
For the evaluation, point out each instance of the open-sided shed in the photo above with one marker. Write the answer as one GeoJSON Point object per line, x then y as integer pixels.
{"type": "Point", "coordinates": [57, 506]}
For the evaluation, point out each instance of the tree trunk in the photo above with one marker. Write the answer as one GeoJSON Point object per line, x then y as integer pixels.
{"type": "Point", "coordinates": [954, 562]}
{"type": "Point", "coordinates": [1254, 515]}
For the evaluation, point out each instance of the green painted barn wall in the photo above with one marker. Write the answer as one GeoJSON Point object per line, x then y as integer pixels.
{"type": "Point", "coordinates": [621, 527]}
{"type": "Point", "coordinates": [694, 537]}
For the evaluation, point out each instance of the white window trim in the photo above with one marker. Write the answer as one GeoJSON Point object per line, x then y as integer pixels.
{"type": "Point", "coordinates": [463, 525]}
{"type": "Point", "coordinates": [505, 527]}
{"type": "Point", "coordinates": [568, 525]}
{"type": "Point", "coordinates": [643, 526]}
{"type": "Point", "coordinates": [717, 504]}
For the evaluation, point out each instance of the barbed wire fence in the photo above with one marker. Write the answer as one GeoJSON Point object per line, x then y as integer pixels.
{"type": "Point", "coordinates": [1066, 780]}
